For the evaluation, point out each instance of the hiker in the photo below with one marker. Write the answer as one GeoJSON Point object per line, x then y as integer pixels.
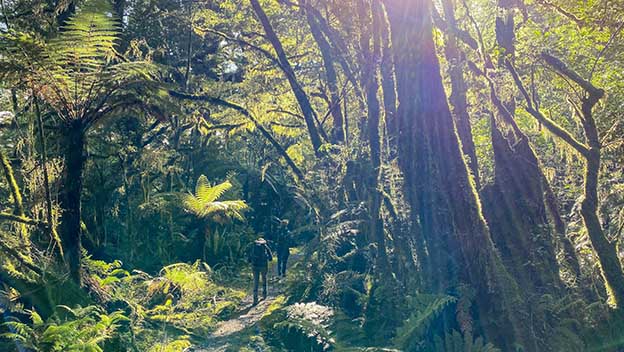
{"type": "Point", "coordinates": [259, 258]}
{"type": "Point", "coordinates": [284, 242]}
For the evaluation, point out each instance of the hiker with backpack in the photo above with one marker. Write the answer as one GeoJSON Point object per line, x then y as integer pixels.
{"type": "Point", "coordinates": [284, 243]}
{"type": "Point", "coordinates": [259, 257]}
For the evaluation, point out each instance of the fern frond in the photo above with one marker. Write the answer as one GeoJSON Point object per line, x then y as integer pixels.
{"type": "Point", "coordinates": [228, 208]}
{"type": "Point", "coordinates": [13, 336]}
{"type": "Point", "coordinates": [36, 318]}
{"type": "Point", "coordinates": [20, 329]}
{"type": "Point", "coordinates": [204, 202]}
{"type": "Point", "coordinates": [418, 323]}
{"type": "Point", "coordinates": [79, 71]}
{"type": "Point", "coordinates": [206, 193]}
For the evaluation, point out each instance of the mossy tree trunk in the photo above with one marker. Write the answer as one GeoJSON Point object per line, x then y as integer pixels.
{"type": "Point", "coordinates": [370, 82]}
{"type": "Point", "coordinates": [516, 212]}
{"type": "Point", "coordinates": [515, 205]}
{"type": "Point", "coordinates": [610, 265]}
{"type": "Point", "coordinates": [388, 81]}
{"type": "Point", "coordinates": [383, 309]}
{"type": "Point", "coordinates": [439, 187]}
{"type": "Point", "coordinates": [18, 206]}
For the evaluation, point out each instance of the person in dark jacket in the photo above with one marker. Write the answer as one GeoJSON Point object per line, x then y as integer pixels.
{"type": "Point", "coordinates": [259, 257]}
{"type": "Point", "coordinates": [284, 242]}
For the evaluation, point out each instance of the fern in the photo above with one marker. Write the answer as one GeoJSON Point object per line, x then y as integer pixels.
{"type": "Point", "coordinates": [455, 342]}
{"type": "Point", "coordinates": [416, 326]}
{"type": "Point", "coordinates": [205, 203]}
{"type": "Point", "coordinates": [78, 73]}
{"type": "Point", "coordinates": [84, 329]}
{"type": "Point", "coordinates": [180, 344]}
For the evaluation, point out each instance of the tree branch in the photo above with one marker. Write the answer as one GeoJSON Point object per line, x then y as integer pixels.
{"type": "Point", "coordinates": [19, 257]}
{"type": "Point", "coordinates": [15, 192]}
{"type": "Point", "coordinates": [264, 52]}
{"type": "Point", "coordinates": [551, 125]}
{"type": "Point", "coordinates": [594, 93]}
{"type": "Point", "coordinates": [23, 220]}
{"type": "Point", "coordinates": [444, 26]}
{"type": "Point", "coordinates": [579, 22]}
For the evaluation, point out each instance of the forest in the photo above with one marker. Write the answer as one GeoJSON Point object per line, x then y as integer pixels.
{"type": "Point", "coordinates": [403, 175]}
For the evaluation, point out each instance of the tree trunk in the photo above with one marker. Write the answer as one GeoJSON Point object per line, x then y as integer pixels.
{"type": "Point", "coordinates": [300, 95]}
{"type": "Point", "coordinates": [457, 98]}
{"type": "Point", "coordinates": [438, 184]}
{"type": "Point", "coordinates": [516, 212]}
{"type": "Point", "coordinates": [18, 206]}
{"type": "Point", "coordinates": [383, 309]}
{"type": "Point", "coordinates": [514, 205]}
{"type": "Point", "coordinates": [388, 83]}
{"type": "Point", "coordinates": [46, 180]}
{"type": "Point", "coordinates": [570, 259]}
{"type": "Point", "coordinates": [610, 265]}
{"type": "Point", "coordinates": [338, 134]}
{"type": "Point", "coordinates": [340, 52]}
{"type": "Point", "coordinates": [70, 196]}
{"type": "Point", "coordinates": [370, 79]}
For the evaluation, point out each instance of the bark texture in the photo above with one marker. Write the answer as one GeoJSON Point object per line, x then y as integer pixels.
{"type": "Point", "coordinates": [517, 215]}
{"type": "Point", "coordinates": [610, 264]}
{"type": "Point", "coordinates": [388, 82]}
{"type": "Point", "coordinates": [18, 206]}
{"type": "Point", "coordinates": [514, 205]}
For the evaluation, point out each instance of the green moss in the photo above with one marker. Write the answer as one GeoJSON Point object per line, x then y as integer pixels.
{"type": "Point", "coordinates": [278, 303]}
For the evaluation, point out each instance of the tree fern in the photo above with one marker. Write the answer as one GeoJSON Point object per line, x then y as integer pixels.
{"type": "Point", "coordinates": [205, 203]}
{"type": "Point", "coordinates": [78, 73]}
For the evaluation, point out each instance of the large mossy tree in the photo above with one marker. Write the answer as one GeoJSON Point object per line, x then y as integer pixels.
{"type": "Point", "coordinates": [439, 187]}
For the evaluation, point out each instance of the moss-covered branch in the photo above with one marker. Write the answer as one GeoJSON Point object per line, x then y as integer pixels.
{"type": "Point", "coordinates": [12, 182]}
{"type": "Point", "coordinates": [18, 204]}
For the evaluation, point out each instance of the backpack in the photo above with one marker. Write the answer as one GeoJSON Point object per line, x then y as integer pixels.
{"type": "Point", "coordinates": [283, 242]}
{"type": "Point", "coordinates": [258, 255]}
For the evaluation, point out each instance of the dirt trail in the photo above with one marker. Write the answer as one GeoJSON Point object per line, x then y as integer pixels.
{"type": "Point", "coordinates": [227, 331]}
